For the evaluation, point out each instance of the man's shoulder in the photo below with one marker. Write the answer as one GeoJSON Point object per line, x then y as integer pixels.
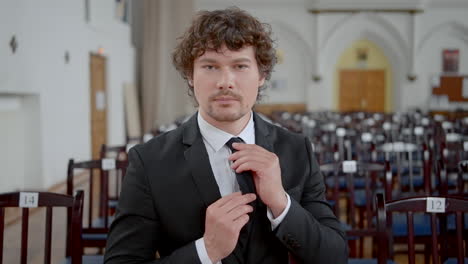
{"type": "Point", "coordinates": [279, 132]}
{"type": "Point", "coordinates": [161, 144]}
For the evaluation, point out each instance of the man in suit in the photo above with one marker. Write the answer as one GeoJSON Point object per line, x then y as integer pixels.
{"type": "Point", "coordinates": [194, 195]}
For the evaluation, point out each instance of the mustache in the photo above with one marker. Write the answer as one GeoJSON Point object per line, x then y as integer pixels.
{"type": "Point", "coordinates": [226, 93]}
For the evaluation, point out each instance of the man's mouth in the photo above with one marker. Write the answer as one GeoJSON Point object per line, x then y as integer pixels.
{"type": "Point", "coordinates": [225, 99]}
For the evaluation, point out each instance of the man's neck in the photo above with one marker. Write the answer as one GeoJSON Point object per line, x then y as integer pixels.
{"type": "Point", "coordinates": [231, 127]}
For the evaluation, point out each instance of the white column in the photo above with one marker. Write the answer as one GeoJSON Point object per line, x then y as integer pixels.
{"type": "Point", "coordinates": [317, 74]}
{"type": "Point", "coordinates": [412, 39]}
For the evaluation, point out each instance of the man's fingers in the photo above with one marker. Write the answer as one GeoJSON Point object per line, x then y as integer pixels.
{"type": "Point", "coordinates": [241, 221]}
{"type": "Point", "coordinates": [240, 211]}
{"type": "Point", "coordinates": [241, 146]}
{"type": "Point", "coordinates": [221, 202]}
{"type": "Point", "coordinates": [238, 201]}
{"type": "Point", "coordinates": [248, 147]}
{"type": "Point", "coordinates": [252, 153]}
{"type": "Point", "coordinates": [259, 162]}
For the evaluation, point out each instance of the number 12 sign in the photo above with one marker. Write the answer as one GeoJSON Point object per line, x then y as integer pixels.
{"type": "Point", "coordinates": [435, 205]}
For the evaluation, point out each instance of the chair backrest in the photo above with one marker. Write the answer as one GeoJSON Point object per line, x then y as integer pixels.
{"type": "Point", "coordinates": [438, 208]}
{"type": "Point", "coordinates": [97, 177]}
{"type": "Point", "coordinates": [461, 181]}
{"type": "Point", "coordinates": [368, 173]}
{"type": "Point", "coordinates": [406, 159]}
{"type": "Point", "coordinates": [27, 200]}
{"type": "Point", "coordinates": [117, 152]}
{"type": "Point", "coordinates": [452, 150]}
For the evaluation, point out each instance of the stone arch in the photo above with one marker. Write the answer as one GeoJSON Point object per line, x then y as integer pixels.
{"type": "Point", "coordinates": [297, 48]}
{"type": "Point", "coordinates": [375, 28]}
{"type": "Point", "coordinates": [452, 28]}
{"type": "Point", "coordinates": [292, 34]}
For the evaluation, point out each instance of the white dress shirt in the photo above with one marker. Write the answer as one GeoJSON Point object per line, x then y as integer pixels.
{"type": "Point", "coordinates": [215, 142]}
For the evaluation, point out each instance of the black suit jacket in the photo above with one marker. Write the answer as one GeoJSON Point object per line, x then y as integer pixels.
{"type": "Point", "coordinates": [170, 183]}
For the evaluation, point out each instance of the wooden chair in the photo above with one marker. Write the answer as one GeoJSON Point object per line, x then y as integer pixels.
{"type": "Point", "coordinates": [435, 207]}
{"type": "Point", "coordinates": [116, 152]}
{"type": "Point", "coordinates": [452, 154]}
{"type": "Point", "coordinates": [98, 215]}
{"type": "Point", "coordinates": [462, 180]}
{"type": "Point", "coordinates": [27, 200]}
{"type": "Point", "coordinates": [359, 211]}
{"type": "Point", "coordinates": [119, 152]}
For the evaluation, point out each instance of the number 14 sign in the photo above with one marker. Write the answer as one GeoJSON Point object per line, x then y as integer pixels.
{"type": "Point", "coordinates": [28, 199]}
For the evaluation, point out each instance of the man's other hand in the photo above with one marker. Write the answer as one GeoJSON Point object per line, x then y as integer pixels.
{"type": "Point", "coordinates": [224, 220]}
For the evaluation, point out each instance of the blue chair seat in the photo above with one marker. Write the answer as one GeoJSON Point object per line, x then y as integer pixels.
{"type": "Point", "coordinates": [366, 261]}
{"type": "Point", "coordinates": [405, 170]}
{"type": "Point", "coordinates": [347, 227]}
{"type": "Point", "coordinates": [100, 221]}
{"type": "Point", "coordinates": [88, 236]}
{"type": "Point", "coordinates": [422, 225]}
{"type": "Point", "coordinates": [451, 221]}
{"type": "Point", "coordinates": [418, 180]}
{"type": "Point", "coordinates": [452, 181]}
{"type": "Point", "coordinates": [454, 261]}
{"type": "Point", "coordinates": [88, 259]}
{"type": "Point", "coordinates": [358, 182]}
{"type": "Point", "coordinates": [360, 197]}
{"type": "Point", "coordinates": [113, 203]}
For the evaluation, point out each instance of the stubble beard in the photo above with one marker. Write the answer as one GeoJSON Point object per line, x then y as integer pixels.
{"type": "Point", "coordinates": [226, 113]}
{"type": "Point", "coordinates": [229, 112]}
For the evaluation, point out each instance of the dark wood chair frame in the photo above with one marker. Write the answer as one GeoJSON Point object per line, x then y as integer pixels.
{"type": "Point", "coordinates": [411, 205]}
{"type": "Point", "coordinates": [93, 166]}
{"type": "Point", "coordinates": [74, 204]}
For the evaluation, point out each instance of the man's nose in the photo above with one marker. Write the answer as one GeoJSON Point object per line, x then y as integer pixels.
{"type": "Point", "coordinates": [226, 79]}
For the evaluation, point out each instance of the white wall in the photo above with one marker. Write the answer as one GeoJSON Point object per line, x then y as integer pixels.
{"type": "Point", "coordinates": [443, 29]}
{"type": "Point", "coordinates": [315, 42]}
{"type": "Point", "coordinates": [45, 30]}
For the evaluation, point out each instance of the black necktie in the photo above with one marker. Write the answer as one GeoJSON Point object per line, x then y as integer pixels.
{"type": "Point", "coordinates": [246, 185]}
{"type": "Point", "coordinates": [244, 179]}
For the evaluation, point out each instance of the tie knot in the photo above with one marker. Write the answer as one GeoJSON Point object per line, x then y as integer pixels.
{"type": "Point", "coordinates": [234, 140]}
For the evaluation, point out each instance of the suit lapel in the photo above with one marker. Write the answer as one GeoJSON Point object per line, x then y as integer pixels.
{"type": "Point", "coordinates": [264, 137]}
{"type": "Point", "coordinates": [199, 163]}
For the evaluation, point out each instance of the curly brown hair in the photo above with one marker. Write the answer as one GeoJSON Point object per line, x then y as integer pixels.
{"type": "Point", "coordinates": [233, 27]}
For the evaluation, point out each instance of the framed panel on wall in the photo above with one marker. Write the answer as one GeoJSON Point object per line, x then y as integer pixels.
{"type": "Point", "coordinates": [450, 60]}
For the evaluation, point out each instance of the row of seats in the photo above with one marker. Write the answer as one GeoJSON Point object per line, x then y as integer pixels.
{"type": "Point", "coordinates": [397, 157]}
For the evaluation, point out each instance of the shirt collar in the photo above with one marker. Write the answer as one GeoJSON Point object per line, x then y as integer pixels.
{"type": "Point", "coordinates": [217, 138]}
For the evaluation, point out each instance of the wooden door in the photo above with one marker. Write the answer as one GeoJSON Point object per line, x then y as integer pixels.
{"type": "Point", "coordinates": [362, 90]}
{"type": "Point", "coordinates": [98, 103]}
{"type": "Point", "coordinates": [350, 90]}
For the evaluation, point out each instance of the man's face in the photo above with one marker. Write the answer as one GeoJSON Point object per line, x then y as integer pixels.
{"type": "Point", "coordinates": [226, 83]}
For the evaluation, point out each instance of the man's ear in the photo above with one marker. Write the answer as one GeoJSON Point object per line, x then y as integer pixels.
{"type": "Point", "coordinates": [190, 82]}
{"type": "Point", "coordinates": [261, 82]}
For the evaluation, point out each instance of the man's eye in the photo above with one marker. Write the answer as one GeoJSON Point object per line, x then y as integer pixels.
{"type": "Point", "coordinates": [242, 66]}
{"type": "Point", "coordinates": [209, 67]}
